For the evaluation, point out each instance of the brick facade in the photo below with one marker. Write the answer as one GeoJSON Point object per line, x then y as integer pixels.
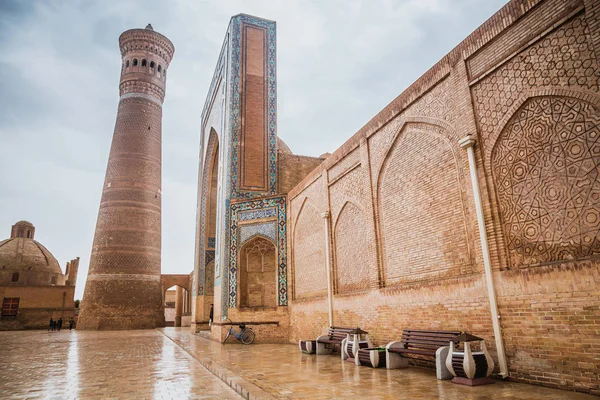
{"type": "Point", "coordinates": [405, 243]}
{"type": "Point", "coordinates": [398, 200]}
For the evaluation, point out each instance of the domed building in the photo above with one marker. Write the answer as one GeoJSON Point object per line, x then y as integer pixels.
{"type": "Point", "coordinates": [33, 287]}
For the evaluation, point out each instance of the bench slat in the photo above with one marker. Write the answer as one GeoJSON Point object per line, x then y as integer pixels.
{"type": "Point", "coordinates": [425, 335]}
{"type": "Point", "coordinates": [424, 331]}
{"type": "Point", "coordinates": [427, 341]}
{"type": "Point", "coordinates": [412, 351]}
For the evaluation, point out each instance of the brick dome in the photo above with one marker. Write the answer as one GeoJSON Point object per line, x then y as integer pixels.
{"type": "Point", "coordinates": [282, 147]}
{"type": "Point", "coordinates": [22, 254]}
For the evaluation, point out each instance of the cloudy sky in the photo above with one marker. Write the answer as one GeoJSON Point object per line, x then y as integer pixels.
{"type": "Point", "coordinates": [339, 63]}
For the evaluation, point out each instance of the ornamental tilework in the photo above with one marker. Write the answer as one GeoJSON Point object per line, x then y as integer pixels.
{"type": "Point", "coordinates": [279, 203]}
{"type": "Point", "coordinates": [235, 117]}
{"type": "Point", "coordinates": [211, 242]}
{"type": "Point", "coordinates": [267, 229]}
{"type": "Point", "coordinates": [210, 256]}
{"type": "Point", "coordinates": [256, 214]}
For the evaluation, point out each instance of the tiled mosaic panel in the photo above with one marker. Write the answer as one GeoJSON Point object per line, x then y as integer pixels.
{"type": "Point", "coordinates": [267, 229]}
{"type": "Point", "coordinates": [256, 214]}
{"type": "Point", "coordinates": [280, 204]}
{"type": "Point", "coordinates": [545, 166]}
{"type": "Point", "coordinates": [211, 242]}
{"type": "Point", "coordinates": [235, 117]}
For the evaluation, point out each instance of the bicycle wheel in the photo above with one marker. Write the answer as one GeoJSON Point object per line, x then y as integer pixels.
{"type": "Point", "coordinates": [226, 336]}
{"type": "Point", "coordinates": [248, 336]}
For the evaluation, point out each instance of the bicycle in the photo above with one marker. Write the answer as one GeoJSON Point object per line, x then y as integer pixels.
{"type": "Point", "coordinates": [245, 335]}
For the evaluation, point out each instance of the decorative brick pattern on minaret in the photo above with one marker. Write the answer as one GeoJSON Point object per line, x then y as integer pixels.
{"type": "Point", "coordinates": [123, 289]}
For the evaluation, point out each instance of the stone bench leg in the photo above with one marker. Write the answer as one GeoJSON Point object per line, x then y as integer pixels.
{"type": "Point", "coordinates": [344, 352]}
{"type": "Point", "coordinates": [321, 349]}
{"type": "Point", "coordinates": [394, 360]}
{"type": "Point", "coordinates": [441, 371]}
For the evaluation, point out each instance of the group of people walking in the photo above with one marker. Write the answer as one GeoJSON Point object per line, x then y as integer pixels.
{"type": "Point", "coordinates": [56, 325]}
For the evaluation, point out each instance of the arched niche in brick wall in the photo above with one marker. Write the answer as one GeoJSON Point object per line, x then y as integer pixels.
{"type": "Point", "coordinates": [355, 266]}
{"type": "Point", "coordinates": [308, 253]}
{"type": "Point", "coordinates": [257, 283]}
{"type": "Point", "coordinates": [544, 163]}
{"type": "Point", "coordinates": [421, 211]}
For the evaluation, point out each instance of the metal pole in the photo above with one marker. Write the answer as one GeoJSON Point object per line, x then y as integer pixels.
{"type": "Point", "coordinates": [467, 143]}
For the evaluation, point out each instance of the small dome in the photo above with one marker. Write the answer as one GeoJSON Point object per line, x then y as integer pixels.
{"type": "Point", "coordinates": [282, 147]}
{"type": "Point", "coordinates": [27, 254]}
{"type": "Point", "coordinates": [324, 155]}
{"type": "Point", "coordinates": [149, 27]}
{"type": "Point", "coordinates": [23, 222]}
{"type": "Point", "coordinates": [26, 258]}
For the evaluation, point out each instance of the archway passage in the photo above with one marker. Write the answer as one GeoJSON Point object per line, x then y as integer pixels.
{"type": "Point", "coordinates": [258, 274]}
{"type": "Point", "coordinates": [177, 305]}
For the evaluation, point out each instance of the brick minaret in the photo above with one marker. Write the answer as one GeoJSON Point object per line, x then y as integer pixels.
{"type": "Point", "coordinates": [123, 289]}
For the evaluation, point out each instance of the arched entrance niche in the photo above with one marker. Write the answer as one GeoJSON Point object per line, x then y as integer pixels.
{"type": "Point", "coordinates": [258, 273]}
{"type": "Point", "coordinates": [211, 182]}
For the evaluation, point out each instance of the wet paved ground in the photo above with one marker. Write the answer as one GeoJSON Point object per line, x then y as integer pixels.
{"type": "Point", "coordinates": [102, 365]}
{"type": "Point", "coordinates": [169, 364]}
{"type": "Point", "coordinates": [284, 372]}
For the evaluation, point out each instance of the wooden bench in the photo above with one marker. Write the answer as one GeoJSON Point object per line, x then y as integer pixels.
{"type": "Point", "coordinates": [421, 343]}
{"type": "Point", "coordinates": [335, 336]}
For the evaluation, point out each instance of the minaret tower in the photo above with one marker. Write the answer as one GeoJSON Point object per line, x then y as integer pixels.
{"type": "Point", "coordinates": [123, 289]}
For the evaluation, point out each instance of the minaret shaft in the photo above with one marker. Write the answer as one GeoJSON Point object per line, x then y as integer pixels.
{"type": "Point", "coordinates": [123, 289]}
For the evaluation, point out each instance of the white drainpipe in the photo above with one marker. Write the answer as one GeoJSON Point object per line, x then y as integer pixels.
{"type": "Point", "coordinates": [467, 143]}
{"type": "Point", "coordinates": [325, 216]}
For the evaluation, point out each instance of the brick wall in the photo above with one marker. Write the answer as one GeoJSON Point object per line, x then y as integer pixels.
{"type": "Point", "coordinates": [291, 169]}
{"type": "Point", "coordinates": [38, 304]}
{"type": "Point", "coordinates": [405, 243]}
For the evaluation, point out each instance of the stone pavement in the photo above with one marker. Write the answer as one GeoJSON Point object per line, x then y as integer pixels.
{"type": "Point", "coordinates": [102, 365]}
{"type": "Point", "coordinates": [173, 364]}
{"type": "Point", "coordinates": [282, 371]}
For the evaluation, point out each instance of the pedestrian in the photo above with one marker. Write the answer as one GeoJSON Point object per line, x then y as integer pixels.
{"type": "Point", "coordinates": [210, 315]}
{"type": "Point", "coordinates": [71, 323]}
{"type": "Point", "coordinates": [51, 324]}
{"type": "Point", "coordinates": [59, 323]}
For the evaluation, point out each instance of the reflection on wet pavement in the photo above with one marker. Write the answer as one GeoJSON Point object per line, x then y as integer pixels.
{"type": "Point", "coordinates": [102, 365]}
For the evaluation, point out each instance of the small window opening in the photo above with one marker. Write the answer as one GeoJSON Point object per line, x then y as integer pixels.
{"type": "Point", "coordinates": [53, 280]}
{"type": "Point", "coordinates": [159, 68]}
{"type": "Point", "coordinates": [143, 63]}
{"type": "Point", "coordinates": [15, 277]}
{"type": "Point", "coordinates": [28, 234]}
{"type": "Point", "coordinates": [152, 64]}
{"type": "Point", "coordinates": [127, 64]}
{"type": "Point", "coordinates": [135, 62]}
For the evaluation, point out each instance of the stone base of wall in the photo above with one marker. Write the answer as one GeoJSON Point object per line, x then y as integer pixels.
{"type": "Point", "coordinates": [121, 323]}
{"type": "Point", "coordinates": [36, 319]}
{"type": "Point", "coordinates": [270, 324]}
